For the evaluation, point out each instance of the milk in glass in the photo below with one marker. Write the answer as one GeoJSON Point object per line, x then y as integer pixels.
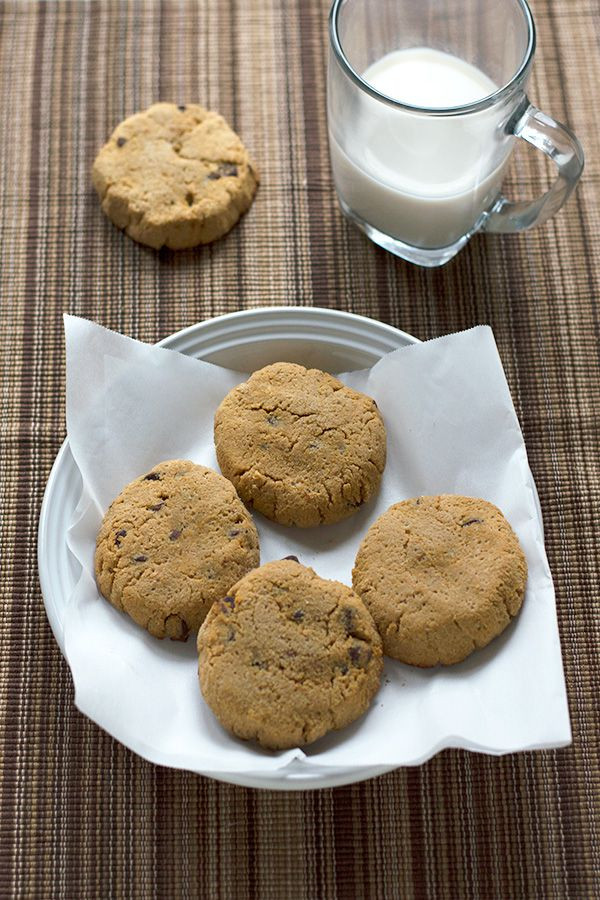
{"type": "Point", "coordinates": [424, 180]}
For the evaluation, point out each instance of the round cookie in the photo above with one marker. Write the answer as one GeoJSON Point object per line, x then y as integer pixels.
{"type": "Point", "coordinates": [441, 576]}
{"type": "Point", "coordinates": [300, 446]}
{"type": "Point", "coordinates": [171, 544]}
{"type": "Point", "coordinates": [288, 656]}
{"type": "Point", "coordinates": [176, 176]}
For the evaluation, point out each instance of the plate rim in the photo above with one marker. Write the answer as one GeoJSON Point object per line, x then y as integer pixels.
{"type": "Point", "coordinates": [287, 781]}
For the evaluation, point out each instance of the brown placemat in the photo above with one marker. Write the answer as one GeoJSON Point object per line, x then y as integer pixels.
{"type": "Point", "coordinates": [80, 816]}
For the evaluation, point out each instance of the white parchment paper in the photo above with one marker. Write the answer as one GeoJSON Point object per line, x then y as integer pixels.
{"type": "Point", "coordinates": [451, 428]}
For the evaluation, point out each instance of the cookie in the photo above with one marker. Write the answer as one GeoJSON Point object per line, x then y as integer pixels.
{"type": "Point", "coordinates": [286, 656]}
{"type": "Point", "coordinates": [171, 544]}
{"type": "Point", "coordinates": [300, 446]}
{"type": "Point", "coordinates": [174, 176]}
{"type": "Point", "coordinates": [441, 576]}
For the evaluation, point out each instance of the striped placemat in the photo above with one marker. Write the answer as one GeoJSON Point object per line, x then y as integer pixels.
{"type": "Point", "coordinates": [82, 817]}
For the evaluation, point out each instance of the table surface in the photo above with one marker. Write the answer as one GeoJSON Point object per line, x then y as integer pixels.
{"type": "Point", "coordinates": [81, 816]}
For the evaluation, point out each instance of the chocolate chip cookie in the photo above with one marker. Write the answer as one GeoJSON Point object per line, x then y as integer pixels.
{"type": "Point", "coordinates": [300, 446]}
{"type": "Point", "coordinates": [171, 544]}
{"type": "Point", "coordinates": [441, 576]}
{"type": "Point", "coordinates": [174, 176]}
{"type": "Point", "coordinates": [287, 656]}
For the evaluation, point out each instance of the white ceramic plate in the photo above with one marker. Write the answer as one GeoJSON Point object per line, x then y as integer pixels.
{"type": "Point", "coordinates": [244, 341]}
{"type": "Point", "coordinates": [327, 339]}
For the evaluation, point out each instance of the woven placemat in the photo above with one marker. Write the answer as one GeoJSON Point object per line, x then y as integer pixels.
{"type": "Point", "coordinates": [81, 816]}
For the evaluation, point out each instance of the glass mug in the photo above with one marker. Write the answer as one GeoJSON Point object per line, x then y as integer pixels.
{"type": "Point", "coordinates": [421, 179]}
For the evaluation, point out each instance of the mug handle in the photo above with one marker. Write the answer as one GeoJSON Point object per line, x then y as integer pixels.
{"type": "Point", "coordinates": [563, 148]}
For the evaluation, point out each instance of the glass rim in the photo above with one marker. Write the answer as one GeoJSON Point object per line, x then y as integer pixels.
{"type": "Point", "coordinates": [475, 106]}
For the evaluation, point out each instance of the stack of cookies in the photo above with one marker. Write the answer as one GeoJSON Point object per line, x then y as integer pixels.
{"type": "Point", "coordinates": [284, 655]}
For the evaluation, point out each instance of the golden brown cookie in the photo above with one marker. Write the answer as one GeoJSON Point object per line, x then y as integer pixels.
{"type": "Point", "coordinates": [299, 446]}
{"type": "Point", "coordinates": [176, 176]}
{"type": "Point", "coordinates": [441, 577]}
{"type": "Point", "coordinates": [171, 544]}
{"type": "Point", "coordinates": [286, 656]}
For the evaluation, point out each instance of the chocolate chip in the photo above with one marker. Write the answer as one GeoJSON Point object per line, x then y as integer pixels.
{"type": "Point", "coordinates": [298, 616]}
{"type": "Point", "coordinates": [175, 534]}
{"type": "Point", "coordinates": [233, 532]}
{"type": "Point", "coordinates": [225, 170]}
{"type": "Point", "coordinates": [181, 626]}
{"type": "Point", "coordinates": [227, 604]}
{"type": "Point", "coordinates": [471, 522]}
{"type": "Point", "coordinates": [347, 617]}
{"type": "Point", "coordinates": [189, 198]}
{"type": "Point", "coordinates": [152, 476]}
{"type": "Point", "coordinates": [259, 664]}
{"type": "Point", "coordinates": [293, 558]}
{"type": "Point", "coordinates": [354, 654]}
{"type": "Point", "coordinates": [360, 656]}
{"type": "Point", "coordinates": [272, 420]}
{"type": "Point", "coordinates": [181, 108]}
{"type": "Point", "coordinates": [121, 141]}
{"type": "Point", "coordinates": [344, 669]}
{"type": "Point", "coordinates": [140, 558]}
{"type": "Point", "coordinates": [157, 506]}
{"type": "Point", "coordinates": [231, 635]}
{"type": "Point", "coordinates": [119, 534]}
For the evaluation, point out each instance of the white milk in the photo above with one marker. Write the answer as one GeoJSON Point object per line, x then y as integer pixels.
{"type": "Point", "coordinates": [422, 179]}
